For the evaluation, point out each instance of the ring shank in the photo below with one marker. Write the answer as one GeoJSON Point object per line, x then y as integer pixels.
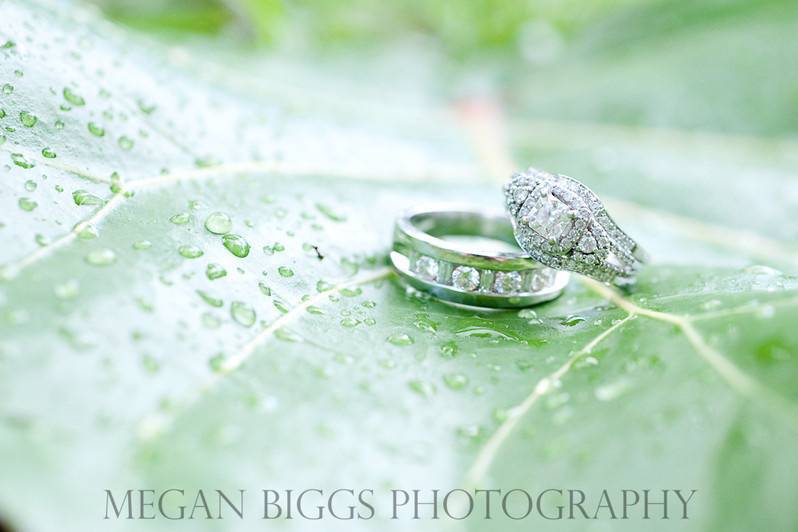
{"type": "Point", "coordinates": [495, 279]}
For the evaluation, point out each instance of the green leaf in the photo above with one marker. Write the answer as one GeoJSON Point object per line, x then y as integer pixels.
{"type": "Point", "coordinates": [128, 359]}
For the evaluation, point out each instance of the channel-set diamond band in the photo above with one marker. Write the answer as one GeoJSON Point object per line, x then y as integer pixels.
{"type": "Point", "coordinates": [561, 223]}
{"type": "Point", "coordinates": [453, 253]}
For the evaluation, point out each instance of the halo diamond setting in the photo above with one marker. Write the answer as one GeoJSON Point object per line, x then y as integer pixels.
{"type": "Point", "coordinates": [562, 224]}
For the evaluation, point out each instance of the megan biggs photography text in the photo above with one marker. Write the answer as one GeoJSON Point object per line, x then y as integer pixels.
{"type": "Point", "coordinates": [364, 504]}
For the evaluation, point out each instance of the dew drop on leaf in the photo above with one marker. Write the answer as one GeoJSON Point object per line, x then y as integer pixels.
{"type": "Point", "coordinates": [126, 143]}
{"type": "Point", "coordinates": [28, 119]}
{"type": "Point", "coordinates": [236, 245]}
{"type": "Point", "coordinates": [323, 286]}
{"type": "Point", "coordinates": [242, 313]}
{"type": "Point", "coordinates": [41, 240]}
{"type": "Point", "coordinates": [27, 204]}
{"type": "Point", "coordinates": [96, 130]}
{"type": "Point", "coordinates": [181, 218]}
{"type": "Point", "coordinates": [8, 89]}
{"type": "Point", "coordinates": [21, 161]}
{"type": "Point", "coordinates": [422, 388]}
{"type": "Point", "coordinates": [67, 290]}
{"type": "Point", "coordinates": [455, 381]}
{"type": "Point", "coordinates": [84, 197]}
{"type": "Point", "coordinates": [140, 245]}
{"type": "Point", "coordinates": [572, 320]}
{"type": "Point", "coordinates": [210, 321]}
{"type": "Point", "coordinates": [218, 223]}
{"type": "Point", "coordinates": [349, 322]}
{"type": "Point", "coordinates": [209, 299]}
{"type": "Point", "coordinates": [401, 339]}
{"type": "Point", "coordinates": [59, 124]}
{"type": "Point", "coordinates": [190, 252]}
{"type": "Point", "coordinates": [216, 363]}
{"type": "Point", "coordinates": [101, 257]}
{"type": "Point", "coordinates": [285, 271]}
{"type": "Point", "coordinates": [73, 97]}
{"type": "Point", "coordinates": [264, 289]}
{"type": "Point", "coordinates": [215, 271]}
{"type": "Point", "coordinates": [30, 185]}
{"type": "Point", "coordinates": [47, 153]}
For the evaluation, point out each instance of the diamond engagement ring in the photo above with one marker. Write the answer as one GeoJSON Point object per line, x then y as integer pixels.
{"type": "Point", "coordinates": [469, 257]}
{"type": "Point", "coordinates": [561, 223]}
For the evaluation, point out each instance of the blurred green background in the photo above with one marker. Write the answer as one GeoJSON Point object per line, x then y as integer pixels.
{"type": "Point", "coordinates": [719, 65]}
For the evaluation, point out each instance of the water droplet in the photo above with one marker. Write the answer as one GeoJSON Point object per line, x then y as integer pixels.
{"type": "Point", "coordinates": [370, 321]}
{"type": "Point", "coordinates": [84, 197]}
{"type": "Point", "coordinates": [41, 239]}
{"type": "Point", "coordinates": [455, 381]}
{"type": "Point", "coordinates": [59, 124]}
{"type": "Point", "coordinates": [236, 245]}
{"type": "Point", "coordinates": [285, 271]}
{"type": "Point", "coordinates": [21, 161]}
{"type": "Point", "coordinates": [30, 185]}
{"type": "Point", "coordinates": [215, 271]}
{"type": "Point", "coordinates": [97, 131]}
{"type": "Point", "coordinates": [9, 44]}
{"type": "Point", "coordinates": [264, 289]}
{"type": "Point", "coordinates": [350, 322]}
{"type": "Point", "coordinates": [216, 363]}
{"type": "Point", "coordinates": [209, 299]}
{"type": "Point", "coordinates": [28, 119]}
{"type": "Point", "coordinates": [287, 336]}
{"type": "Point", "coordinates": [67, 290]}
{"type": "Point", "coordinates": [312, 309]}
{"type": "Point", "coordinates": [242, 313]}
{"type": "Point", "coordinates": [126, 143]}
{"type": "Point", "coordinates": [150, 364]}
{"type": "Point", "coordinates": [424, 323]}
{"type": "Point", "coordinates": [101, 257]}
{"type": "Point", "coordinates": [329, 213]}
{"type": "Point", "coordinates": [423, 388]}
{"type": "Point", "coordinates": [369, 304]}
{"type": "Point", "coordinates": [88, 232]}
{"type": "Point", "coordinates": [210, 321]}
{"type": "Point", "coordinates": [400, 339]}
{"type": "Point", "coordinates": [190, 252]}
{"type": "Point", "coordinates": [572, 320]}
{"type": "Point", "coordinates": [8, 89]}
{"type": "Point", "coordinates": [47, 153]}
{"type": "Point", "coordinates": [145, 108]}
{"type": "Point", "coordinates": [279, 305]}
{"type": "Point", "coordinates": [73, 98]}
{"type": "Point", "coordinates": [27, 204]}
{"type": "Point", "coordinates": [140, 245]}
{"type": "Point", "coordinates": [181, 218]}
{"type": "Point", "coordinates": [218, 223]}
{"type": "Point", "coordinates": [612, 390]}
{"type": "Point", "coordinates": [477, 331]}
{"type": "Point", "coordinates": [323, 286]}
{"type": "Point", "coordinates": [274, 248]}
{"type": "Point", "coordinates": [449, 349]}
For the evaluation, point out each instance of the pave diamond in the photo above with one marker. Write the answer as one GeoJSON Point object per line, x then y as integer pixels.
{"type": "Point", "coordinates": [548, 215]}
{"type": "Point", "coordinates": [465, 278]}
{"type": "Point", "coordinates": [427, 267]}
{"type": "Point", "coordinates": [507, 282]}
{"type": "Point", "coordinates": [542, 278]}
{"type": "Point", "coordinates": [588, 244]}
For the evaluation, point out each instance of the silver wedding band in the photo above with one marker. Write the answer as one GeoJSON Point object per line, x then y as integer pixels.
{"type": "Point", "coordinates": [433, 252]}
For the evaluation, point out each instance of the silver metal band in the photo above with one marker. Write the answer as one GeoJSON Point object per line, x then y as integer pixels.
{"type": "Point", "coordinates": [428, 256]}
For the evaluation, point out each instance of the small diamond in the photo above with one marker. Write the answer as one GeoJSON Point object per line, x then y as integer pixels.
{"type": "Point", "coordinates": [587, 244]}
{"type": "Point", "coordinates": [507, 282]}
{"type": "Point", "coordinates": [542, 278]}
{"type": "Point", "coordinates": [427, 267]}
{"type": "Point", "coordinates": [465, 278]}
